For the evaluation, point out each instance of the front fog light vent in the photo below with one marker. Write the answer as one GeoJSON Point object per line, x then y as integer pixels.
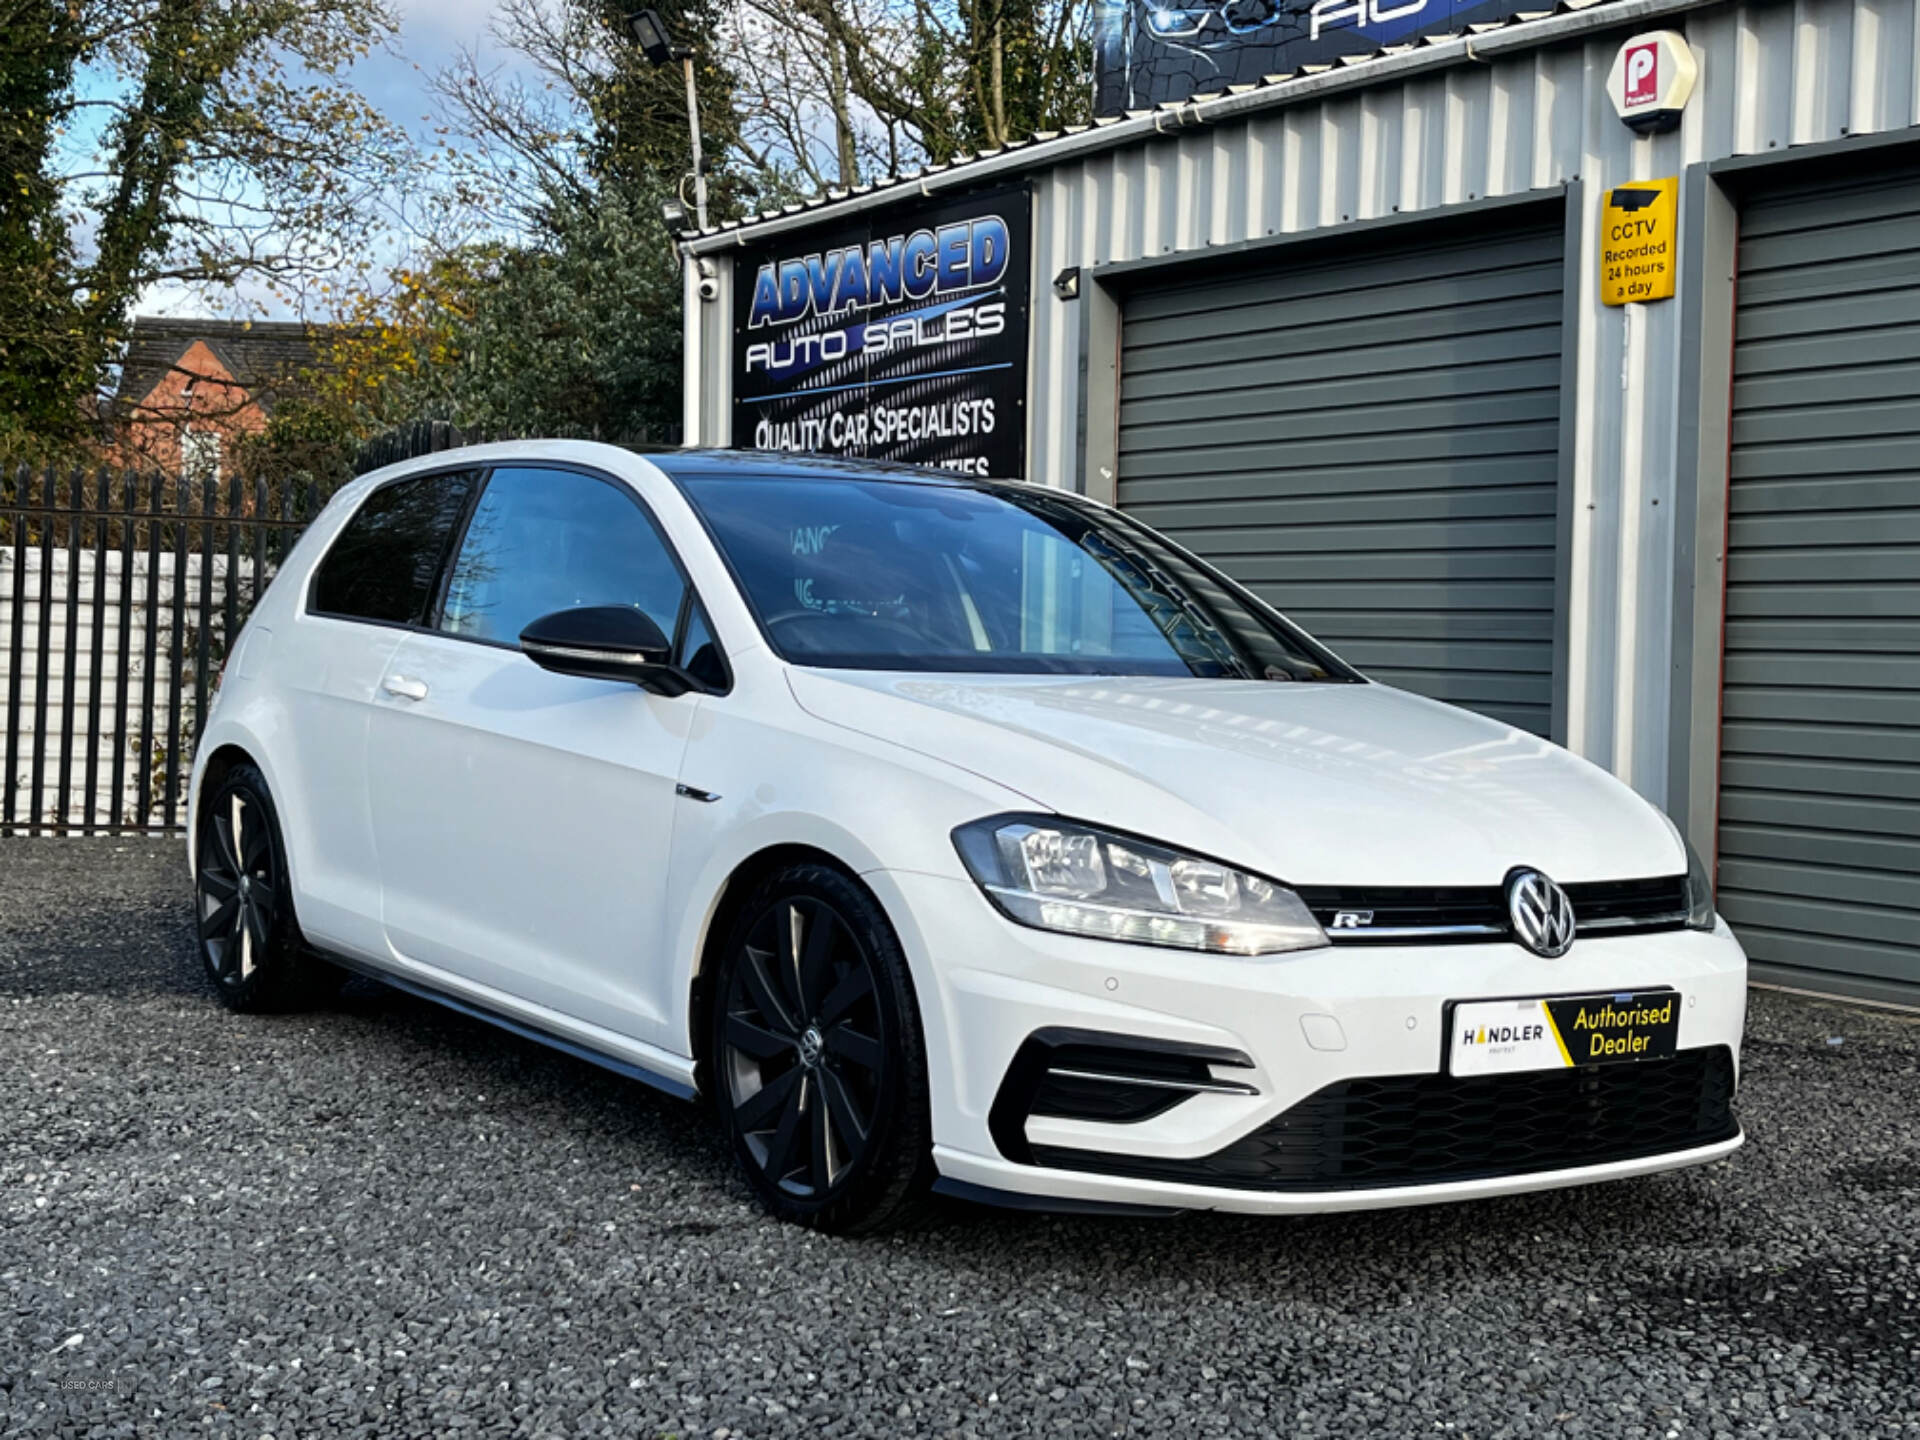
{"type": "Point", "coordinates": [1111, 1079]}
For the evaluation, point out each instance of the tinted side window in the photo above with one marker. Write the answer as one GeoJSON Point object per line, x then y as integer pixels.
{"type": "Point", "coordinates": [382, 565]}
{"type": "Point", "coordinates": [547, 540]}
{"type": "Point", "coordinates": [699, 655]}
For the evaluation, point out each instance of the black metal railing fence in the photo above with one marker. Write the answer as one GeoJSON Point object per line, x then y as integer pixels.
{"type": "Point", "coordinates": [120, 594]}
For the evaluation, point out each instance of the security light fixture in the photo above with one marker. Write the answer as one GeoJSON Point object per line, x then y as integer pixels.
{"type": "Point", "coordinates": [673, 210]}
{"type": "Point", "coordinates": [655, 41]}
{"type": "Point", "coordinates": [660, 48]}
{"type": "Point", "coordinates": [1066, 284]}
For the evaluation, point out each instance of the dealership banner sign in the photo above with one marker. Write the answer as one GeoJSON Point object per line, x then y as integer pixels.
{"type": "Point", "coordinates": [901, 337]}
{"type": "Point", "coordinates": [1147, 52]}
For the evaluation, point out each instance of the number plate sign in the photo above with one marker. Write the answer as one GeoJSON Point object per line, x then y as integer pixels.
{"type": "Point", "coordinates": [1491, 1037]}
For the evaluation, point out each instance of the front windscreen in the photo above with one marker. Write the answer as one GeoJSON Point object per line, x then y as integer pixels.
{"type": "Point", "coordinates": [901, 575]}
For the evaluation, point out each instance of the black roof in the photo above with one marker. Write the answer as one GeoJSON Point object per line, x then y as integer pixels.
{"type": "Point", "coordinates": [760, 464]}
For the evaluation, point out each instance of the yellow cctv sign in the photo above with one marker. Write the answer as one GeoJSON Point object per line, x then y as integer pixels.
{"type": "Point", "coordinates": [1638, 246]}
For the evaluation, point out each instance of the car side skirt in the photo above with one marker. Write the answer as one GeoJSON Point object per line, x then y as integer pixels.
{"type": "Point", "coordinates": [676, 1082]}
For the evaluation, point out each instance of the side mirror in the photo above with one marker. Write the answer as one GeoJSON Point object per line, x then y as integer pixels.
{"type": "Point", "coordinates": [605, 642]}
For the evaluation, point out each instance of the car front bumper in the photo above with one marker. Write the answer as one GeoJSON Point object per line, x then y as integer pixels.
{"type": "Point", "coordinates": [1305, 1021]}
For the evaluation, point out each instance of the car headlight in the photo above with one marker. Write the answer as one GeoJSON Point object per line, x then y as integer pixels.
{"type": "Point", "coordinates": [1058, 875]}
{"type": "Point", "coordinates": [1699, 893]}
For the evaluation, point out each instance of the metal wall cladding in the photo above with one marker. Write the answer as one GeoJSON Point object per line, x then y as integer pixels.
{"type": "Point", "coordinates": [1772, 76]}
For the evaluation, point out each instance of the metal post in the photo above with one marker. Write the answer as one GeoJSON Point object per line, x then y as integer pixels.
{"type": "Point", "coordinates": [699, 163]}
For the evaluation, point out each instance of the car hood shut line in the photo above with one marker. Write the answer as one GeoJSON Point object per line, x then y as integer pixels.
{"type": "Point", "coordinates": [1312, 783]}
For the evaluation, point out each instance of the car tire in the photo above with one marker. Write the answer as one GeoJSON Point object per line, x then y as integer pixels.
{"type": "Point", "coordinates": [818, 1064]}
{"type": "Point", "coordinates": [249, 936]}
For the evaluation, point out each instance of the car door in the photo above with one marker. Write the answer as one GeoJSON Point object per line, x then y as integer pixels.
{"type": "Point", "coordinates": [375, 582]}
{"type": "Point", "coordinates": [521, 817]}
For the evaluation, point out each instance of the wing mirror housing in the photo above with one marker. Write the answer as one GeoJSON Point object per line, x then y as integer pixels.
{"type": "Point", "coordinates": [606, 642]}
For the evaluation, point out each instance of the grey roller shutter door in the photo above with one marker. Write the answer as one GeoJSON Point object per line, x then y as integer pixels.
{"type": "Point", "coordinates": [1370, 441]}
{"type": "Point", "coordinates": [1819, 843]}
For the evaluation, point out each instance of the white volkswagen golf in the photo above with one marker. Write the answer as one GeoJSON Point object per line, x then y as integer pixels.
{"type": "Point", "coordinates": [950, 835]}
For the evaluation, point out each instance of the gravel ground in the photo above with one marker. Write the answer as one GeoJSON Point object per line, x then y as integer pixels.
{"type": "Point", "coordinates": [385, 1219]}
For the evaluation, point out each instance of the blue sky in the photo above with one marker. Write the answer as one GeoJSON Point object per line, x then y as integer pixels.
{"type": "Point", "coordinates": [431, 31]}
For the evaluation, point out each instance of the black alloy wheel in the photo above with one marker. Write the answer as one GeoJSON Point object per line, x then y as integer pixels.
{"type": "Point", "coordinates": [243, 904]}
{"type": "Point", "coordinates": [239, 889]}
{"type": "Point", "coordinates": [819, 1073]}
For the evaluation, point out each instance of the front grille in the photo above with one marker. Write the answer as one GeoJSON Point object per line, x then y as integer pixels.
{"type": "Point", "coordinates": [1629, 904]}
{"type": "Point", "coordinates": [1478, 913]}
{"type": "Point", "coordinates": [1349, 912]}
{"type": "Point", "coordinates": [1429, 1129]}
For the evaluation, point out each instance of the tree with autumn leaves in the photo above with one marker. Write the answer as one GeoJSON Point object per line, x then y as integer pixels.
{"type": "Point", "coordinates": [540, 289]}
{"type": "Point", "coordinates": [222, 146]}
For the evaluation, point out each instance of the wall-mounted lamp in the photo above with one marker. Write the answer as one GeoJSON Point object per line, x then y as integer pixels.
{"type": "Point", "coordinates": [1066, 285]}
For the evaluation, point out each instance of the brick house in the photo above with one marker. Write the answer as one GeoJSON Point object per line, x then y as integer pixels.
{"type": "Point", "coordinates": [189, 388]}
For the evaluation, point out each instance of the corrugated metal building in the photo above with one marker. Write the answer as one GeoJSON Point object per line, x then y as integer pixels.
{"type": "Point", "coordinates": [1341, 332]}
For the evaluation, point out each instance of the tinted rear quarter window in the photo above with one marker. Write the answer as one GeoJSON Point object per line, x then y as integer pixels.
{"type": "Point", "coordinates": [384, 562]}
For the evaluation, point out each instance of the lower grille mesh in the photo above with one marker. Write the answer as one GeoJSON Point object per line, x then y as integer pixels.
{"type": "Point", "coordinates": [1428, 1129]}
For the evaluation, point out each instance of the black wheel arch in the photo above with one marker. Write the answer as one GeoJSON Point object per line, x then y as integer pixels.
{"type": "Point", "coordinates": [222, 763]}
{"type": "Point", "coordinates": [741, 883]}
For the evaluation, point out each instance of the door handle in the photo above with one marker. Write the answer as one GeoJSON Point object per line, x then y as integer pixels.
{"type": "Point", "coordinates": [404, 687]}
